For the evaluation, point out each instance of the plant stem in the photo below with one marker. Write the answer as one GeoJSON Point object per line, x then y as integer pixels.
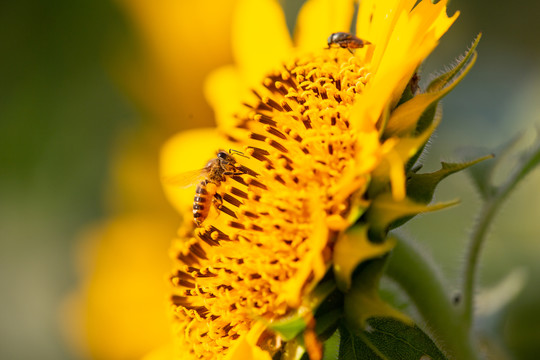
{"type": "Point", "coordinates": [494, 198]}
{"type": "Point", "coordinates": [472, 257]}
{"type": "Point", "coordinates": [420, 279]}
{"type": "Point", "coordinates": [489, 209]}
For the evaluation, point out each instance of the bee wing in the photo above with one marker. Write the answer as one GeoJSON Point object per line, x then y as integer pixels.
{"type": "Point", "coordinates": [185, 179]}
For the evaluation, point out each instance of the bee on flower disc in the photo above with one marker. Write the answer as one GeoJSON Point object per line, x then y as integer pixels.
{"type": "Point", "coordinates": [346, 41]}
{"type": "Point", "coordinates": [209, 177]}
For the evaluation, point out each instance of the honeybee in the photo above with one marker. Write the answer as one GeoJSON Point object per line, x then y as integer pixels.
{"type": "Point", "coordinates": [346, 41]}
{"type": "Point", "coordinates": [210, 177]}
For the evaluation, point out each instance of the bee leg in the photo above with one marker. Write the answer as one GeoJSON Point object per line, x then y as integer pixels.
{"type": "Point", "coordinates": [239, 172]}
{"type": "Point", "coordinates": [217, 201]}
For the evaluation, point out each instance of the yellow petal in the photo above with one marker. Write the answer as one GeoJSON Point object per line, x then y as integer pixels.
{"type": "Point", "coordinates": [225, 91]}
{"type": "Point", "coordinates": [246, 347]}
{"type": "Point", "coordinates": [397, 50]}
{"type": "Point", "coordinates": [414, 37]}
{"type": "Point", "coordinates": [436, 15]}
{"type": "Point", "coordinates": [362, 301]}
{"type": "Point", "coordinates": [376, 22]}
{"type": "Point", "coordinates": [397, 151]}
{"type": "Point", "coordinates": [351, 250]}
{"type": "Point", "coordinates": [261, 40]}
{"type": "Point", "coordinates": [320, 18]}
{"type": "Point", "coordinates": [382, 93]}
{"type": "Point", "coordinates": [397, 175]}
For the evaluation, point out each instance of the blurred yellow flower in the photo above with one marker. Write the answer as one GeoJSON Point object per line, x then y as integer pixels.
{"type": "Point", "coordinates": [123, 289]}
{"type": "Point", "coordinates": [315, 132]}
{"type": "Point", "coordinates": [118, 310]}
{"type": "Point", "coordinates": [180, 42]}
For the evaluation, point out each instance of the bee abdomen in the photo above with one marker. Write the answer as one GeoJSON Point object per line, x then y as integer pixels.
{"type": "Point", "coordinates": [198, 206]}
{"type": "Point", "coordinates": [201, 188]}
{"type": "Point", "coordinates": [200, 202]}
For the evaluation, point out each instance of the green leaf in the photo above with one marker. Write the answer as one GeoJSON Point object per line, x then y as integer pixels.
{"type": "Point", "coordinates": [372, 329]}
{"type": "Point", "coordinates": [398, 340]}
{"type": "Point", "coordinates": [420, 187]}
{"type": "Point", "coordinates": [388, 339]}
{"type": "Point", "coordinates": [353, 348]}
{"type": "Point", "coordinates": [331, 346]}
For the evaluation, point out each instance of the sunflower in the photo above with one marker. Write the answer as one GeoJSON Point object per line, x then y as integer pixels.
{"type": "Point", "coordinates": [320, 138]}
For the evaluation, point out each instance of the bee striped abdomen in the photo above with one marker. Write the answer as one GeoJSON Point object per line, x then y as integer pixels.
{"type": "Point", "coordinates": [202, 200]}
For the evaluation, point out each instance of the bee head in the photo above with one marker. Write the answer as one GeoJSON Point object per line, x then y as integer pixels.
{"type": "Point", "coordinates": [330, 40]}
{"type": "Point", "coordinates": [225, 159]}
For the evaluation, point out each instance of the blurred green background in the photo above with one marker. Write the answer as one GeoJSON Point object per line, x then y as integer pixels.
{"type": "Point", "coordinates": [61, 114]}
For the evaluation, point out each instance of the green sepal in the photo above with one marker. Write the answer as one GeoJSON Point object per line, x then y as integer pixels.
{"type": "Point", "coordinates": [387, 339]}
{"type": "Point", "coordinates": [443, 80]}
{"type": "Point", "coordinates": [292, 325]}
{"type": "Point", "coordinates": [387, 213]}
{"type": "Point", "coordinates": [420, 187]}
{"type": "Point", "coordinates": [415, 115]}
{"type": "Point", "coordinates": [414, 146]}
{"type": "Point", "coordinates": [353, 248]}
{"type": "Point", "coordinates": [326, 324]}
{"type": "Point", "coordinates": [446, 82]}
{"type": "Point", "coordinates": [289, 327]}
{"type": "Point", "coordinates": [410, 89]}
{"type": "Point", "coordinates": [362, 301]}
{"type": "Point", "coordinates": [406, 148]}
{"type": "Point", "coordinates": [383, 120]}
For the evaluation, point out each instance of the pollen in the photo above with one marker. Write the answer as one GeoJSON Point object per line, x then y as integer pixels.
{"type": "Point", "coordinates": [270, 241]}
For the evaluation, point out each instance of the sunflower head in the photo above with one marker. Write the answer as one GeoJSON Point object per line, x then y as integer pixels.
{"type": "Point", "coordinates": [324, 140]}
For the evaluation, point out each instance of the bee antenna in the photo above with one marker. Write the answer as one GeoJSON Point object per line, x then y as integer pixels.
{"type": "Point", "coordinates": [236, 152]}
